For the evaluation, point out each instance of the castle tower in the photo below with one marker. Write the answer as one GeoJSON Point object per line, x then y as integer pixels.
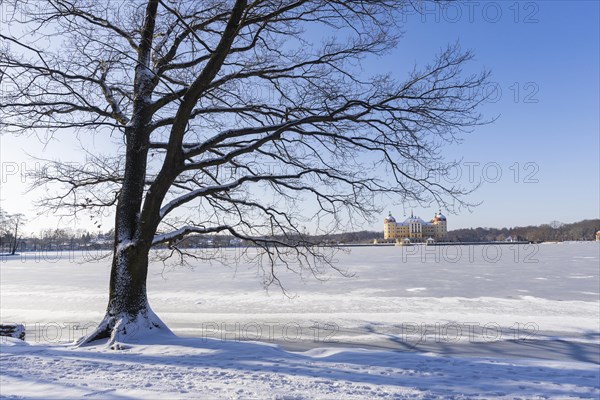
{"type": "Point", "coordinates": [442, 224]}
{"type": "Point", "coordinates": [389, 227]}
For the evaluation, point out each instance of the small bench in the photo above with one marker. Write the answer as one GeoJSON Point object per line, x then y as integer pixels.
{"type": "Point", "coordinates": [13, 330]}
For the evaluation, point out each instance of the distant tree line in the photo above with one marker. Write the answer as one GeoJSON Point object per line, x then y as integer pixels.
{"type": "Point", "coordinates": [554, 231]}
{"type": "Point", "coordinates": [63, 239]}
{"type": "Point", "coordinates": [551, 232]}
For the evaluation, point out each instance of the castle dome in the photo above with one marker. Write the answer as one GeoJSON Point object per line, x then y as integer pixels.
{"type": "Point", "coordinates": [389, 218]}
{"type": "Point", "coordinates": [438, 217]}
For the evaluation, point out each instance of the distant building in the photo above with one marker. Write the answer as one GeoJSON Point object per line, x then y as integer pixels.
{"type": "Point", "coordinates": [415, 229]}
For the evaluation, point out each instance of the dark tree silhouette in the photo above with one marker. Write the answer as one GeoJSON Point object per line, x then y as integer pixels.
{"type": "Point", "coordinates": [10, 230]}
{"type": "Point", "coordinates": [240, 113]}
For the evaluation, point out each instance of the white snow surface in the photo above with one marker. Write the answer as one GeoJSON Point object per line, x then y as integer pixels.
{"type": "Point", "coordinates": [426, 323]}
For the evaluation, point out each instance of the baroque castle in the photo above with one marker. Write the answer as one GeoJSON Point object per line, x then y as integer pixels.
{"type": "Point", "coordinates": [415, 229]}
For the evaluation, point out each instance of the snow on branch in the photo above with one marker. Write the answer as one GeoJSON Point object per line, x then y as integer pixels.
{"type": "Point", "coordinates": [186, 230]}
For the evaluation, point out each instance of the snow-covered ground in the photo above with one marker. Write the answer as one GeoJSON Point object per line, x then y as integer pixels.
{"type": "Point", "coordinates": [416, 322]}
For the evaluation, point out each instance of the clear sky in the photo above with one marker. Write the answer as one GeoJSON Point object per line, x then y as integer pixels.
{"type": "Point", "coordinates": [544, 57]}
{"type": "Point", "coordinates": [538, 162]}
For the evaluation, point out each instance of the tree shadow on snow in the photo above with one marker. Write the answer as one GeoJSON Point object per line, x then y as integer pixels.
{"type": "Point", "coordinates": [494, 375]}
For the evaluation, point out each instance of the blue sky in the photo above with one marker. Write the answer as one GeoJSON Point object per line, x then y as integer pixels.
{"type": "Point", "coordinates": [544, 58]}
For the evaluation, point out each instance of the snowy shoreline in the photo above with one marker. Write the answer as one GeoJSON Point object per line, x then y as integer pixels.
{"type": "Point", "coordinates": [192, 368]}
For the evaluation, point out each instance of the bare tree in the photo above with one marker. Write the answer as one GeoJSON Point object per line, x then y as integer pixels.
{"type": "Point", "coordinates": [240, 113]}
{"type": "Point", "coordinates": [5, 230]}
{"type": "Point", "coordinates": [10, 230]}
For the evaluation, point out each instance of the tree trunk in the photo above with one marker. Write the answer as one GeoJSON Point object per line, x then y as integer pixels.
{"type": "Point", "coordinates": [13, 246]}
{"type": "Point", "coordinates": [15, 242]}
{"type": "Point", "coordinates": [128, 315]}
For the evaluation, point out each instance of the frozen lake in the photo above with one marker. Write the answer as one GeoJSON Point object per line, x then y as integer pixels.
{"type": "Point", "coordinates": [523, 323]}
{"type": "Point", "coordinates": [399, 297]}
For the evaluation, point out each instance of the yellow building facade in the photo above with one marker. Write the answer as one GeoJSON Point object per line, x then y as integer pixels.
{"type": "Point", "coordinates": [416, 229]}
